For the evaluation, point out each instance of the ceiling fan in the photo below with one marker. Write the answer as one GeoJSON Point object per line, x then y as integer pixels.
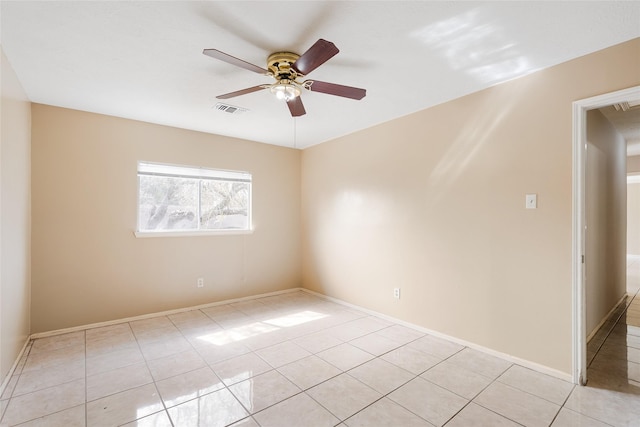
{"type": "Point", "coordinates": [287, 68]}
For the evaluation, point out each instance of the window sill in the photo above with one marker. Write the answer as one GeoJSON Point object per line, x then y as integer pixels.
{"type": "Point", "coordinates": [145, 234]}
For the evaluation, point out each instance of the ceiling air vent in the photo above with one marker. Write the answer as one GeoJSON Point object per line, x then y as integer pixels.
{"type": "Point", "coordinates": [626, 106]}
{"type": "Point", "coordinates": [231, 109]}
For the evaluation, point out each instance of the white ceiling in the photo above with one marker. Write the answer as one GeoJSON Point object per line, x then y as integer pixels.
{"type": "Point", "coordinates": [143, 60]}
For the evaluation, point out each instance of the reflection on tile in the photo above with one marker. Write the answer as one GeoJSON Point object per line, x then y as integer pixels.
{"type": "Point", "coordinates": [370, 324]}
{"type": "Point", "coordinates": [343, 395]}
{"type": "Point", "coordinates": [48, 359]}
{"type": "Point", "coordinates": [517, 405]}
{"type": "Point", "coordinates": [158, 322]}
{"type": "Point", "coordinates": [411, 359]}
{"type": "Point", "coordinates": [72, 417]}
{"type": "Point", "coordinates": [437, 347]}
{"type": "Point", "coordinates": [3, 406]}
{"type": "Point", "coordinates": [57, 342]}
{"type": "Point", "coordinates": [381, 376]}
{"type": "Point", "coordinates": [282, 354]}
{"type": "Point", "coordinates": [552, 389]}
{"type": "Point", "coordinates": [604, 379]}
{"type": "Point", "coordinates": [263, 390]}
{"type": "Point", "coordinates": [246, 422]}
{"type": "Point", "coordinates": [179, 389]}
{"type": "Point", "coordinates": [159, 419]}
{"type": "Point", "coordinates": [608, 406]}
{"type": "Point", "coordinates": [44, 402]}
{"type": "Point", "coordinates": [13, 381]}
{"type": "Point", "coordinates": [240, 368]}
{"type": "Point", "coordinates": [473, 415]}
{"type": "Point", "coordinates": [117, 359]}
{"type": "Point", "coordinates": [147, 336]}
{"type": "Point", "coordinates": [117, 380]}
{"type": "Point", "coordinates": [296, 359]}
{"type": "Point", "coordinates": [429, 401]}
{"type": "Point", "coordinates": [345, 356]}
{"type": "Point", "coordinates": [400, 334]}
{"type": "Point", "coordinates": [300, 410]}
{"type": "Point", "coordinates": [308, 372]}
{"type": "Point", "coordinates": [213, 354]}
{"type": "Point", "coordinates": [165, 347]}
{"type": "Point", "coordinates": [215, 409]}
{"type": "Point", "coordinates": [479, 362]}
{"type": "Point", "coordinates": [107, 345]}
{"type": "Point", "coordinates": [55, 375]}
{"type": "Point", "coordinates": [175, 364]}
{"type": "Point", "coordinates": [119, 331]}
{"type": "Point", "coordinates": [375, 344]}
{"type": "Point", "coordinates": [190, 320]}
{"type": "Point", "coordinates": [385, 413]}
{"type": "Point", "coordinates": [346, 332]}
{"type": "Point", "coordinates": [317, 342]}
{"type": "Point", "coordinates": [568, 418]}
{"type": "Point", "coordinates": [124, 407]}
{"type": "Point", "coordinates": [23, 360]}
{"type": "Point", "coordinates": [453, 377]}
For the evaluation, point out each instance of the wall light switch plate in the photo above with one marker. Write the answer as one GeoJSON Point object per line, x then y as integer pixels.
{"type": "Point", "coordinates": [531, 201]}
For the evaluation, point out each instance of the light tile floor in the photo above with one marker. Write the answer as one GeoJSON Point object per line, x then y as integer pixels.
{"type": "Point", "coordinates": [299, 360]}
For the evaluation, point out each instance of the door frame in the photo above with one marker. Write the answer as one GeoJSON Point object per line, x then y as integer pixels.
{"type": "Point", "coordinates": [580, 108]}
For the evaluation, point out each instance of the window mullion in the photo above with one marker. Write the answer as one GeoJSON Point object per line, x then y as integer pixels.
{"type": "Point", "coordinates": [200, 204]}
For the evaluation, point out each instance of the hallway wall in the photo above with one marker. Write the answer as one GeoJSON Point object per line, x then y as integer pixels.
{"type": "Point", "coordinates": [606, 210]}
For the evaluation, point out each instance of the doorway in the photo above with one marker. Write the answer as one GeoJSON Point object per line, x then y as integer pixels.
{"type": "Point", "coordinates": [580, 109]}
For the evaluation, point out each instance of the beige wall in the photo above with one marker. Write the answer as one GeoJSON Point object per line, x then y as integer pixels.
{"type": "Point", "coordinates": [15, 227]}
{"type": "Point", "coordinates": [633, 219]}
{"type": "Point", "coordinates": [88, 266]}
{"type": "Point", "coordinates": [633, 164]}
{"type": "Point", "coordinates": [633, 208]}
{"type": "Point", "coordinates": [434, 203]}
{"type": "Point", "coordinates": [606, 210]}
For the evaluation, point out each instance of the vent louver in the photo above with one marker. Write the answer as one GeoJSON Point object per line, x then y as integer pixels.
{"type": "Point", "coordinates": [628, 105]}
{"type": "Point", "coordinates": [231, 109]}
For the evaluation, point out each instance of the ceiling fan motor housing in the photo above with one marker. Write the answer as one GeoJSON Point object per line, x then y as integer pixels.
{"type": "Point", "coordinates": [280, 65]}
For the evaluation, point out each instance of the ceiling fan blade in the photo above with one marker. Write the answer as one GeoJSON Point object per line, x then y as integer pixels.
{"type": "Point", "coordinates": [296, 107]}
{"type": "Point", "coordinates": [315, 56]}
{"type": "Point", "coordinates": [241, 92]}
{"type": "Point", "coordinates": [214, 53]}
{"type": "Point", "coordinates": [335, 89]}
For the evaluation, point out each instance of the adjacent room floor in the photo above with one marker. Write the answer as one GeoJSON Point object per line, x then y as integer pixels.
{"type": "Point", "coordinates": [299, 360]}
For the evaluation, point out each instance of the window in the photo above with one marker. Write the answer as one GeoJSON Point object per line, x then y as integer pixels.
{"type": "Point", "coordinates": [191, 199]}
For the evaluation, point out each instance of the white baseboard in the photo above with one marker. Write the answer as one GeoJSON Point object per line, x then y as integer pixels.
{"type": "Point", "coordinates": [160, 313]}
{"type": "Point", "coordinates": [7, 378]}
{"type": "Point", "coordinates": [513, 359]}
{"type": "Point", "coordinates": [604, 320]}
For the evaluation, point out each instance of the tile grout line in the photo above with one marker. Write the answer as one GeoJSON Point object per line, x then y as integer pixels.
{"type": "Point", "coordinates": [155, 385]}
{"type": "Point", "coordinates": [291, 339]}
{"type": "Point", "coordinates": [385, 395]}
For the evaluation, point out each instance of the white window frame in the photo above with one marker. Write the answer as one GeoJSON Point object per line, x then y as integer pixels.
{"type": "Point", "coordinates": [194, 172]}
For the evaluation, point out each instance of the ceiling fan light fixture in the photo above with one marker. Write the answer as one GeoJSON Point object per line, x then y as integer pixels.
{"type": "Point", "coordinates": [285, 90]}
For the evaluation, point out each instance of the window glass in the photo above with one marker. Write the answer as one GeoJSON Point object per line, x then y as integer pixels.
{"type": "Point", "coordinates": [183, 198]}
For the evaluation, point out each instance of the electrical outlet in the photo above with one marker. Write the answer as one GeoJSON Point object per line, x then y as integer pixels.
{"type": "Point", "coordinates": [201, 282]}
{"type": "Point", "coordinates": [396, 293]}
